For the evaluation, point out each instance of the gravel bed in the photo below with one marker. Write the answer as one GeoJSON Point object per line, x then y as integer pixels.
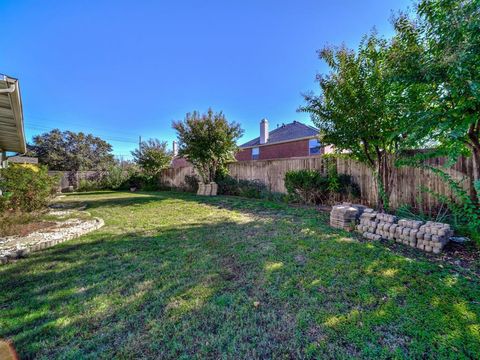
{"type": "Point", "coordinates": [15, 247]}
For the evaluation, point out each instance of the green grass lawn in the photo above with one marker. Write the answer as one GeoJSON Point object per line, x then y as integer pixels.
{"type": "Point", "coordinates": [178, 276]}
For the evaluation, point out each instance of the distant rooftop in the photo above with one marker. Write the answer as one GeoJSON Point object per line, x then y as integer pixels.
{"type": "Point", "coordinates": [285, 132]}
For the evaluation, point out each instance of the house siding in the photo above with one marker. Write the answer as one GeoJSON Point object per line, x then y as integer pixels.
{"type": "Point", "coordinates": [289, 149]}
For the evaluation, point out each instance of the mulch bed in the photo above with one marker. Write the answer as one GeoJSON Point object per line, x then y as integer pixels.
{"type": "Point", "coordinates": [25, 229]}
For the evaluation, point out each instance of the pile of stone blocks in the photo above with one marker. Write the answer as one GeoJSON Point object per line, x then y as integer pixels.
{"type": "Point", "coordinates": [386, 225]}
{"type": "Point", "coordinates": [345, 216]}
{"type": "Point", "coordinates": [429, 236]}
{"type": "Point", "coordinates": [406, 232]}
{"type": "Point", "coordinates": [433, 236]}
{"type": "Point", "coordinates": [368, 224]}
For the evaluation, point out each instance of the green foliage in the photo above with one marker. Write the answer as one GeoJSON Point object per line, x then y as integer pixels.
{"type": "Point", "coordinates": [208, 141]}
{"type": "Point", "coordinates": [358, 109]}
{"type": "Point", "coordinates": [117, 177]}
{"type": "Point", "coordinates": [418, 89]}
{"type": "Point", "coordinates": [464, 210]}
{"type": "Point", "coordinates": [90, 184]}
{"type": "Point", "coordinates": [26, 188]}
{"type": "Point", "coordinates": [191, 183]}
{"type": "Point", "coordinates": [71, 151]}
{"type": "Point", "coordinates": [311, 187]}
{"type": "Point", "coordinates": [144, 181]}
{"type": "Point", "coordinates": [445, 65]}
{"type": "Point", "coordinates": [255, 189]}
{"type": "Point", "coordinates": [332, 176]}
{"type": "Point", "coordinates": [153, 156]}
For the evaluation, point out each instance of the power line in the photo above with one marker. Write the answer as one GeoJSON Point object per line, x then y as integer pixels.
{"type": "Point", "coordinates": [69, 123]}
{"type": "Point", "coordinates": [116, 139]}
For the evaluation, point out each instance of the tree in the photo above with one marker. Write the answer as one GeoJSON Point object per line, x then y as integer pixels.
{"type": "Point", "coordinates": [358, 108]}
{"type": "Point", "coordinates": [448, 31]}
{"type": "Point", "coordinates": [70, 151]}
{"type": "Point", "coordinates": [153, 156]}
{"type": "Point", "coordinates": [208, 141]}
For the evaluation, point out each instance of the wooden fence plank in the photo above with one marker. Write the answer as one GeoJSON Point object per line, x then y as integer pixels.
{"type": "Point", "coordinates": [406, 187]}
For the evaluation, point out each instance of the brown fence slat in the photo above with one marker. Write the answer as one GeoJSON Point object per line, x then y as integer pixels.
{"type": "Point", "coordinates": [406, 187]}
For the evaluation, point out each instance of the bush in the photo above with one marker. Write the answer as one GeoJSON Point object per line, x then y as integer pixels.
{"type": "Point", "coordinates": [116, 177]}
{"type": "Point", "coordinates": [308, 186]}
{"type": "Point", "coordinates": [142, 181]}
{"type": "Point", "coordinates": [228, 185]}
{"type": "Point", "coordinates": [91, 184]}
{"type": "Point", "coordinates": [312, 187]}
{"type": "Point", "coordinates": [26, 188]}
{"type": "Point", "coordinates": [191, 183]}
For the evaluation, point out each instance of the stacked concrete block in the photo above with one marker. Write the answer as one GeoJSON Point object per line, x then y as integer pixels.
{"type": "Point", "coordinates": [429, 236]}
{"type": "Point", "coordinates": [368, 225]}
{"type": "Point", "coordinates": [406, 232]}
{"type": "Point", "coordinates": [386, 225]}
{"type": "Point", "coordinates": [433, 236]}
{"type": "Point", "coordinates": [344, 216]}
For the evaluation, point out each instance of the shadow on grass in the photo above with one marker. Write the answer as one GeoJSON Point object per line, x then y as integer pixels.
{"type": "Point", "coordinates": [190, 289]}
{"type": "Point", "coordinates": [256, 207]}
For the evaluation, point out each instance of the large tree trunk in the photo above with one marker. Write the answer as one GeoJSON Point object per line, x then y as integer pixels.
{"type": "Point", "coordinates": [476, 172]}
{"type": "Point", "coordinates": [474, 143]}
{"type": "Point", "coordinates": [384, 178]}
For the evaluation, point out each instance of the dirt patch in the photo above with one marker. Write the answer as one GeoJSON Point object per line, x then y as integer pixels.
{"type": "Point", "coordinates": [25, 229]}
{"type": "Point", "coordinates": [31, 236]}
{"type": "Point", "coordinates": [464, 257]}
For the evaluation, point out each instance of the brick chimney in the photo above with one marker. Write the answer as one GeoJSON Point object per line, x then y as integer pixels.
{"type": "Point", "coordinates": [263, 131]}
{"type": "Point", "coordinates": [175, 148]}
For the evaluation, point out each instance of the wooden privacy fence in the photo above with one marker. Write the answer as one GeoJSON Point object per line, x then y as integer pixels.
{"type": "Point", "coordinates": [406, 185]}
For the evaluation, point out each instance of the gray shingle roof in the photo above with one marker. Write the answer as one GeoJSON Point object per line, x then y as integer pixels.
{"type": "Point", "coordinates": [291, 131]}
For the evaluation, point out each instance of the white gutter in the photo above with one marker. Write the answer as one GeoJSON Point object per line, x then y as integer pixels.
{"type": "Point", "coordinates": [9, 90]}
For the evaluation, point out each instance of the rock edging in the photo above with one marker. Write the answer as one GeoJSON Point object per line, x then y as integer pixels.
{"type": "Point", "coordinates": [45, 239]}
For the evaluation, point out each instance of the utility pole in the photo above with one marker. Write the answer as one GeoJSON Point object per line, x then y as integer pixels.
{"type": "Point", "coordinates": [140, 143]}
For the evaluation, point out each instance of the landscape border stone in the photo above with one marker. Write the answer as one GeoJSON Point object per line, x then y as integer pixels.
{"type": "Point", "coordinates": [59, 236]}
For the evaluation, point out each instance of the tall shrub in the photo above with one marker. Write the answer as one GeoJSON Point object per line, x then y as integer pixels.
{"type": "Point", "coordinates": [208, 141]}
{"type": "Point", "coordinates": [153, 156]}
{"type": "Point", "coordinates": [26, 188]}
{"type": "Point", "coordinates": [446, 65]}
{"type": "Point", "coordinates": [358, 109]}
{"type": "Point", "coordinates": [312, 187]}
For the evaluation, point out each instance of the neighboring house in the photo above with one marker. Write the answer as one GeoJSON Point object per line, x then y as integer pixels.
{"type": "Point", "coordinates": [12, 134]}
{"type": "Point", "coordinates": [286, 141]}
{"type": "Point", "coordinates": [22, 160]}
{"type": "Point", "coordinates": [177, 161]}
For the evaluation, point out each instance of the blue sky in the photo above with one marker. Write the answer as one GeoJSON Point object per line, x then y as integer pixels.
{"type": "Point", "coordinates": [123, 69]}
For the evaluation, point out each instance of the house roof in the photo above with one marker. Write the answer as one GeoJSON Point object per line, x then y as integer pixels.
{"type": "Point", "coordinates": [23, 160]}
{"type": "Point", "coordinates": [12, 134]}
{"type": "Point", "coordinates": [286, 132]}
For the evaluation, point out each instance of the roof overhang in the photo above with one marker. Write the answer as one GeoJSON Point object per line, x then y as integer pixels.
{"type": "Point", "coordinates": [12, 134]}
{"type": "Point", "coordinates": [278, 142]}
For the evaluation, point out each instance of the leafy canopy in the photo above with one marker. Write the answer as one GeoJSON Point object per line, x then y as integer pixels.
{"type": "Point", "coordinates": [208, 141]}
{"type": "Point", "coordinates": [359, 109]}
{"type": "Point", "coordinates": [446, 66]}
{"type": "Point", "coordinates": [71, 151]}
{"type": "Point", "coordinates": [153, 156]}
